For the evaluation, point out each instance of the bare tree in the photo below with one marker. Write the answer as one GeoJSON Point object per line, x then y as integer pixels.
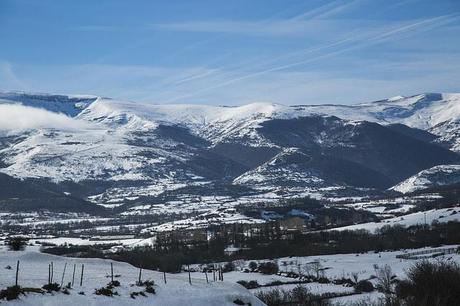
{"type": "Point", "coordinates": [385, 279]}
{"type": "Point", "coordinates": [354, 275]}
{"type": "Point", "coordinates": [317, 268]}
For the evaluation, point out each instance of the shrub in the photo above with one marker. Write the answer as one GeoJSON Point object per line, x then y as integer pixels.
{"type": "Point", "coordinates": [113, 284]}
{"type": "Point", "coordinates": [297, 296]}
{"type": "Point", "coordinates": [431, 283]}
{"type": "Point", "coordinates": [253, 266]}
{"type": "Point", "coordinates": [385, 279]}
{"type": "Point", "coordinates": [52, 287]}
{"type": "Point", "coordinates": [300, 294]}
{"type": "Point", "coordinates": [268, 268]}
{"type": "Point", "coordinates": [16, 243]}
{"type": "Point", "coordinates": [364, 286]}
{"type": "Point", "coordinates": [274, 283]}
{"type": "Point", "coordinates": [271, 298]}
{"type": "Point", "coordinates": [150, 290]}
{"type": "Point", "coordinates": [249, 285]}
{"type": "Point", "coordinates": [343, 281]}
{"type": "Point", "coordinates": [10, 293]}
{"type": "Point", "coordinates": [228, 267]}
{"type": "Point", "coordinates": [323, 280]}
{"type": "Point", "coordinates": [107, 291]}
{"type": "Point", "coordinates": [134, 294]}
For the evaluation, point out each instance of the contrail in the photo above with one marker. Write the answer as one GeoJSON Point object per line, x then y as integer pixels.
{"type": "Point", "coordinates": [310, 14]}
{"type": "Point", "coordinates": [372, 40]}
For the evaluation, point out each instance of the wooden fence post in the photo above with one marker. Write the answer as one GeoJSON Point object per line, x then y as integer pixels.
{"type": "Point", "coordinates": [189, 276]}
{"type": "Point", "coordinates": [164, 276]}
{"type": "Point", "coordinates": [63, 274]}
{"type": "Point", "coordinates": [111, 271]}
{"type": "Point", "coordinates": [140, 276]}
{"type": "Point", "coordinates": [17, 273]}
{"type": "Point", "coordinates": [81, 278]}
{"type": "Point", "coordinates": [52, 272]}
{"type": "Point", "coordinates": [73, 274]}
{"type": "Point", "coordinates": [206, 273]}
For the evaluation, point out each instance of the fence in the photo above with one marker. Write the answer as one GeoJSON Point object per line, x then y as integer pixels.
{"type": "Point", "coordinates": [434, 252]}
{"type": "Point", "coordinates": [77, 274]}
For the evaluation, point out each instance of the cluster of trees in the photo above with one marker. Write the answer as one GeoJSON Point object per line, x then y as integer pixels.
{"type": "Point", "coordinates": [172, 257]}
{"type": "Point", "coordinates": [16, 243]}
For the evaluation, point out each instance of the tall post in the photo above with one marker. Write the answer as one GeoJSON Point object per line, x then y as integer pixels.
{"type": "Point", "coordinates": [81, 278]}
{"type": "Point", "coordinates": [52, 272]}
{"type": "Point", "coordinates": [111, 271]}
{"type": "Point", "coordinates": [73, 274]}
{"type": "Point", "coordinates": [17, 273]}
{"type": "Point", "coordinates": [63, 274]}
{"type": "Point", "coordinates": [140, 276]}
{"type": "Point", "coordinates": [206, 273]}
{"type": "Point", "coordinates": [189, 276]}
{"type": "Point", "coordinates": [164, 276]}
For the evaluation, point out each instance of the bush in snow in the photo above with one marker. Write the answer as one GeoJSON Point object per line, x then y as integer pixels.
{"type": "Point", "coordinates": [148, 284]}
{"type": "Point", "coordinates": [52, 287]}
{"type": "Point", "coordinates": [228, 267]}
{"type": "Point", "coordinates": [10, 293]}
{"type": "Point", "coordinates": [16, 243]}
{"type": "Point", "coordinates": [385, 279]}
{"type": "Point", "coordinates": [133, 295]}
{"type": "Point", "coordinates": [253, 266]}
{"type": "Point", "coordinates": [268, 268]}
{"type": "Point", "coordinates": [297, 296]}
{"type": "Point", "coordinates": [364, 286]}
{"type": "Point", "coordinates": [107, 291]}
{"type": "Point", "coordinates": [431, 283]}
{"type": "Point", "coordinates": [249, 285]}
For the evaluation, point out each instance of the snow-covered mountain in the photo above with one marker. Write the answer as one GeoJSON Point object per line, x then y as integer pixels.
{"type": "Point", "coordinates": [118, 152]}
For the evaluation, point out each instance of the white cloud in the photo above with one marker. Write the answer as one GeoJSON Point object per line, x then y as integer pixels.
{"type": "Point", "coordinates": [18, 117]}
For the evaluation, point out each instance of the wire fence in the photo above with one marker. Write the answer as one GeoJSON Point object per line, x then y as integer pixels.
{"type": "Point", "coordinates": [78, 274]}
{"type": "Point", "coordinates": [432, 252]}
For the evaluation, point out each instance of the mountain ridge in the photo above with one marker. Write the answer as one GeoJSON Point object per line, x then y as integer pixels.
{"type": "Point", "coordinates": [144, 150]}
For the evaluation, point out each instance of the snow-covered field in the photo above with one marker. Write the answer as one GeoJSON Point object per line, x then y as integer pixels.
{"type": "Point", "coordinates": [177, 291]}
{"type": "Point", "coordinates": [34, 273]}
{"type": "Point", "coordinates": [418, 218]}
{"type": "Point", "coordinates": [335, 267]}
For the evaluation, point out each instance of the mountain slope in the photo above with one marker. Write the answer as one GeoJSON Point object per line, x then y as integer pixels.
{"type": "Point", "coordinates": [127, 151]}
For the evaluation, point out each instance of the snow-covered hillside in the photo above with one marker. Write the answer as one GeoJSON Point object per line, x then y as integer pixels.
{"type": "Point", "coordinates": [436, 176]}
{"type": "Point", "coordinates": [146, 150]}
{"type": "Point", "coordinates": [417, 218]}
{"type": "Point", "coordinates": [33, 273]}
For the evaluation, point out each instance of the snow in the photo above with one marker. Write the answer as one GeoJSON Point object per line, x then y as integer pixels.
{"type": "Point", "coordinates": [81, 241]}
{"type": "Point", "coordinates": [177, 291]}
{"type": "Point", "coordinates": [418, 218]}
{"type": "Point", "coordinates": [205, 220]}
{"type": "Point", "coordinates": [109, 148]}
{"type": "Point", "coordinates": [335, 267]}
{"type": "Point", "coordinates": [435, 176]}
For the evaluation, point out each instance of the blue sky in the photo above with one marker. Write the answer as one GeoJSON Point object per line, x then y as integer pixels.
{"type": "Point", "coordinates": [231, 52]}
